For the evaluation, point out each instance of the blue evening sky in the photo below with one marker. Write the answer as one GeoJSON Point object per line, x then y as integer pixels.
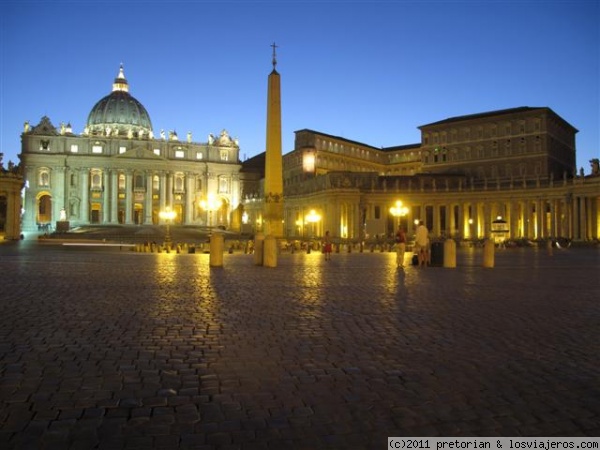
{"type": "Point", "coordinates": [369, 71]}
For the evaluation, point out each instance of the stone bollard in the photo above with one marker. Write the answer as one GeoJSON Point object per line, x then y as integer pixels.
{"type": "Point", "coordinates": [488, 253]}
{"type": "Point", "coordinates": [449, 253]}
{"type": "Point", "coordinates": [270, 251]}
{"type": "Point", "coordinates": [259, 240]}
{"type": "Point", "coordinates": [217, 241]}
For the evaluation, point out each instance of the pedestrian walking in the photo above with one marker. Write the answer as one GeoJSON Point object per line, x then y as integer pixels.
{"type": "Point", "coordinates": [422, 244]}
{"type": "Point", "coordinates": [327, 246]}
{"type": "Point", "coordinates": [400, 246]}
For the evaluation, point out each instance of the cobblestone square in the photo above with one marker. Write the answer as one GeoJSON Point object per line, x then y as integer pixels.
{"type": "Point", "coordinates": [109, 349]}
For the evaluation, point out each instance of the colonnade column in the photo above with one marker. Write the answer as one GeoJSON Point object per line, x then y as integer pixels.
{"type": "Point", "coordinates": [189, 197]}
{"type": "Point", "coordinates": [169, 193]}
{"type": "Point", "coordinates": [582, 218]}
{"type": "Point", "coordinates": [163, 191]}
{"type": "Point", "coordinates": [114, 186]}
{"type": "Point", "coordinates": [540, 212]}
{"type": "Point", "coordinates": [85, 196]}
{"type": "Point", "coordinates": [128, 197]}
{"type": "Point", "coordinates": [59, 202]}
{"type": "Point", "coordinates": [436, 219]}
{"type": "Point", "coordinates": [106, 197]}
{"type": "Point", "coordinates": [148, 198]}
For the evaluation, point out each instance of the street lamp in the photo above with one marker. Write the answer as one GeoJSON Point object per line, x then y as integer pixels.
{"type": "Point", "coordinates": [398, 210]}
{"type": "Point", "coordinates": [313, 217]}
{"type": "Point", "coordinates": [167, 215]}
{"type": "Point", "coordinates": [210, 204]}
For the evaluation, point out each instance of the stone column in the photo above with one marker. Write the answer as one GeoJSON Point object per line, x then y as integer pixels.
{"type": "Point", "coordinates": [163, 191]}
{"type": "Point", "coordinates": [85, 196]}
{"type": "Point", "coordinates": [59, 200]}
{"type": "Point", "coordinates": [106, 196]}
{"type": "Point", "coordinates": [189, 197]}
{"type": "Point", "coordinates": [169, 198]}
{"type": "Point", "coordinates": [129, 197]}
{"type": "Point", "coordinates": [114, 196]}
{"type": "Point", "coordinates": [582, 218]}
{"type": "Point", "coordinates": [436, 220]}
{"type": "Point", "coordinates": [148, 199]}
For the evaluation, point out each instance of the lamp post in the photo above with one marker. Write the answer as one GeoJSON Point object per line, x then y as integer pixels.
{"type": "Point", "coordinates": [398, 210]}
{"type": "Point", "coordinates": [167, 215]}
{"type": "Point", "coordinates": [313, 217]}
{"type": "Point", "coordinates": [210, 205]}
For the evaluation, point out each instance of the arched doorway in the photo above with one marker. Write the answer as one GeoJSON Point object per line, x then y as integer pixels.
{"type": "Point", "coordinates": [96, 213]}
{"type": "Point", "coordinates": [138, 213]}
{"type": "Point", "coordinates": [44, 210]}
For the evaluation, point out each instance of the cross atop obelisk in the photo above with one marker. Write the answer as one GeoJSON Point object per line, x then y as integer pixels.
{"type": "Point", "coordinates": [274, 54]}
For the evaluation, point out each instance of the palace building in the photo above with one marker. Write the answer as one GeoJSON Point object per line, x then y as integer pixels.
{"type": "Point", "coordinates": [509, 172]}
{"type": "Point", "coordinates": [118, 172]}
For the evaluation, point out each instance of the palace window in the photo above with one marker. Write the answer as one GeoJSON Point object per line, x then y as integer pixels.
{"type": "Point", "coordinates": [223, 185]}
{"type": "Point", "coordinates": [44, 177]}
{"type": "Point", "coordinates": [179, 153]}
{"type": "Point", "coordinates": [199, 155]}
{"type": "Point", "coordinates": [224, 155]}
{"type": "Point", "coordinates": [138, 182]}
{"type": "Point", "coordinates": [96, 179]}
{"type": "Point", "coordinates": [74, 148]}
{"type": "Point", "coordinates": [157, 151]}
{"type": "Point", "coordinates": [121, 181]}
{"type": "Point", "coordinates": [155, 183]}
{"type": "Point", "coordinates": [122, 150]}
{"type": "Point", "coordinates": [96, 149]}
{"type": "Point", "coordinates": [179, 183]}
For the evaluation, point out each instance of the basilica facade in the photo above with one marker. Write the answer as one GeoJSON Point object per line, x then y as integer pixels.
{"type": "Point", "coordinates": [118, 172]}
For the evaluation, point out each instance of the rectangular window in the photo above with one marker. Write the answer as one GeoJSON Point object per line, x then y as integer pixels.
{"type": "Point", "coordinates": [199, 155]}
{"type": "Point", "coordinates": [122, 150]}
{"type": "Point", "coordinates": [74, 148]}
{"type": "Point", "coordinates": [157, 151]}
{"type": "Point", "coordinates": [224, 155]}
{"type": "Point", "coordinates": [96, 149]}
{"type": "Point", "coordinates": [179, 154]}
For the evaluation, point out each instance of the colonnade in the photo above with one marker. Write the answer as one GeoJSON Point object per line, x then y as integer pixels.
{"type": "Point", "coordinates": [528, 215]}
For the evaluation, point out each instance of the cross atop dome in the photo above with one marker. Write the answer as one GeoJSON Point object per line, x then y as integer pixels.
{"type": "Point", "coordinates": [120, 83]}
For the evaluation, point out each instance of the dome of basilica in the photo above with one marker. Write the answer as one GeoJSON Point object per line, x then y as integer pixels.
{"type": "Point", "coordinates": [119, 113]}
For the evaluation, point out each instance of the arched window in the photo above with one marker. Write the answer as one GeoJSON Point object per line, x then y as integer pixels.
{"type": "Point", "coordinates": [178, 182]}
{"type": "Point", "coordinates": [44, 177]}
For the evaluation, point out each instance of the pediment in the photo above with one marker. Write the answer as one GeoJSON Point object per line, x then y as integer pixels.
{"type": "Point", "coordinates": [45, 128]}
{"type": "Point", "coordinates": [140, 153]}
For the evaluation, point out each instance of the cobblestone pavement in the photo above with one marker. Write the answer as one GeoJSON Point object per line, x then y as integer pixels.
{"type": "Point", "coordinates": [109, 349]}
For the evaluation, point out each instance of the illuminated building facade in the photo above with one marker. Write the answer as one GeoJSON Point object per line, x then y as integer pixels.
{"type": "Point", "coordinates": [515, 165]}
{"type": "Point", "coordinates": [11, 184]}
{"type": "Point", "coordinates": [118, 172]}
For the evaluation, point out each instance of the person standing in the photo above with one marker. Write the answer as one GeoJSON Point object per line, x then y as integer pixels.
{"type": "Point", "coordinates": [400, 246]}
{"type": "Point", "coordinates": [327, 246]}
{"type": "Point", "coordinates": [422, 244]}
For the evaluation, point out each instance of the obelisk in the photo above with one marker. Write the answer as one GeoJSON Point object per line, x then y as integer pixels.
{"type": "Point", "coordinates": [273, 184]}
